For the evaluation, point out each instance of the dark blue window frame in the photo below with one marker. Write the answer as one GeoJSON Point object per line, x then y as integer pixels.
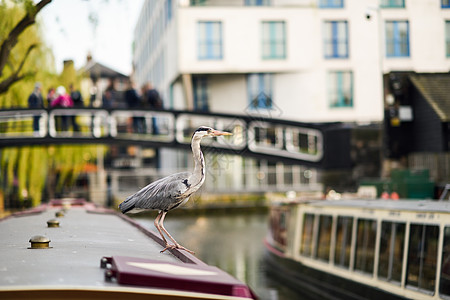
{"type": "Point", "coordinates": [445, 3]}
{"type": "Point", "coordinates": [168, 11]}
{"type": "Point", "coordinates": [392, 3]}
{"type": "Point", "coordinates": [200, 89]}
{"type": "Point", "coordinates": [331, 3]}
{"type": "Point", "coordinates": [257, 2]}
{"type": "Point", "coordinates": [259, 89]}
{"type": "Point", "coordinates": [337, 41]}
{"type": "Point", "coordinates": [397, 45]}
{"type": "Point", "coordinates": [447, 38]}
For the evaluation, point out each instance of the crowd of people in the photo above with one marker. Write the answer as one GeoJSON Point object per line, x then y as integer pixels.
{"type": "Point", "coordinates": [147, 98]}
{"type": "Point", "coordinates": [56, 98]}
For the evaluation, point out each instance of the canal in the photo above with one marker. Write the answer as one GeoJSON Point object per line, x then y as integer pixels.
{"type": "Point", "coordinates": [232, 242]}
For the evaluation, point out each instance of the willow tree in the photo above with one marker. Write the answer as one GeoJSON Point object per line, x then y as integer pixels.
{"type": "Point", "coordinates": [24, 60]}
{"type": "Point", "coordinates": [27, 171]}
{"type": "Point", "coordinates": [14, 22]}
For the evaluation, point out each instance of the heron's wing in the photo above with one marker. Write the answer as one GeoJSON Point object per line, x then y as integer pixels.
{"type": "Point", "coordinates": [161, 194]}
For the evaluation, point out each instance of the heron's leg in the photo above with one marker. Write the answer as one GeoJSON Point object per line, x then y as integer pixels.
{"type": "Point", "coordinates": [178, 246]}
{"type": "Point", "coordinates": [156, 223]}
{"type": "Point", "coordinates": [161, 224]}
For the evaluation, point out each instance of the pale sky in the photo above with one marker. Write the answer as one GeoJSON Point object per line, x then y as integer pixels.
{"type": "Point", "coordinates": [70, 35]}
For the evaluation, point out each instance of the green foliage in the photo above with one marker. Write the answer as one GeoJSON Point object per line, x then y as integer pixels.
{"type": "Point", "coordinates": [68, 75]}
{"type": "Point", "coordinates": [27, 169]}
{"type": "Point", "coordinates": [39, 62]}
{"type": "Point", "coordinates": [8, 164]}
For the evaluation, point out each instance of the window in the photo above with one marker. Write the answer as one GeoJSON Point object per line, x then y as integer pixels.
{"type": "Point", "coordinates": [278, 225]}
{"type": "Point", "coordinates": [331, 3]}
{"type": "Point", "coordinates": [397, 39]}
{"type": "Point", "coordinates": [392, 3]}
{"type": "Point", "coordinates": [445, 3]}
{"type": "Point", "coordinates": [324, 238]}
{"type": "Point", "coordinates": [303, 141]}
{"type": "Point", "coordinates": [266, 136]}
{"type": "Point", "coordinates": [444, 285]}
{"type": "Point", "coordinates": [209, 40]}
{"type": "Point", "coordinates": [273, 40]}
{"type": "Point", "coordinates": [391, 251]}
{"type": "Point", "coordinates": [168, 11]}
{"type": "Point", "coordinates": [422, 256]}
{"type": "Point", "coordinates": [340, 88]}
{"type": "Point", "coordinates": [197, 2]}
{"type": "Point", "coordinates": [307, 235]}
{"type": "Point", "coordinates": [257, 2]}
{"type": "Point", "coordinates": [365, 245]}
{"type": "Point", "coordinates": [336, 39]}
{"type": "Point", "coordinates": [171, 96]}
{"type": "Point", "coordinates": [259, 88]}
{"type": "Point", "coordinates": [447, 38]}
{"type": "Point", "coordinates": [200, 87]}
{"type": "Point", "coordinates": [343, 241]}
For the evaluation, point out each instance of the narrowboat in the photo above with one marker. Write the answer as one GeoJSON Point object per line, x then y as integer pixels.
{"type": "Point", "coordinates": [362, 249]}
{"type": "Point", "coordinates": [75, 250]}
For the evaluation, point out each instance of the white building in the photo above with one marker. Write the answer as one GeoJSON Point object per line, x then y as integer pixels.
{"type": "Point", "coordinates": [318, 60]}
{"type": "Point", "coordinates": [305, 60]}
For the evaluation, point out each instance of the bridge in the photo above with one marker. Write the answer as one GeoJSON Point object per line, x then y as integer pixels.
{"type": "Point", "coordinates": [324, 145]}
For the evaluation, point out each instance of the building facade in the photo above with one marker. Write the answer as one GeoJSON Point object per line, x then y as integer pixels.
{"type": "Point", "coordinates": [302, 60]}
{"type": "Point", "coordinates": [315, 60]}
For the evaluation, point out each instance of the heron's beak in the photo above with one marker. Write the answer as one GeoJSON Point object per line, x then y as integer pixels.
{"type": "Point", "coordinates": [218, 133]}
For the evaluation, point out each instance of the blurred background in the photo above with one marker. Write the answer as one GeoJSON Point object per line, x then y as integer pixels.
{"type": "Point", "coordinates": [325, 98]}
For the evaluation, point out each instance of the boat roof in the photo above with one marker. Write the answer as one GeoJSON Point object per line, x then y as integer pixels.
{"type": "Point", "coordinates": [403, 205]}
{"type": "Point", "coordinates": [89, 237]}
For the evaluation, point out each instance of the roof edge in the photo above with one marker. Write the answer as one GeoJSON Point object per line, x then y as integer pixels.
{"type": "Point", "coordinates": [414, 79]}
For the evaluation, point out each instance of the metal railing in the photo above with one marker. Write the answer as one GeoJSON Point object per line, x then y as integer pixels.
{"type": "Point", "coordinates": [251, 135]}
{"type": "Point", "coordinates": [23, 123]}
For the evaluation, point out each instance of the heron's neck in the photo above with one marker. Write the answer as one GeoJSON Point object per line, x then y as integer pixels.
{"type": "Point", "coordinates": [199, 162]}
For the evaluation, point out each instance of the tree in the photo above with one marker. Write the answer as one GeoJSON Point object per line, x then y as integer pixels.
{"type": "Point", "coordinates": [11, 40]}
{"type": "Point", "coordinates": [69, 74]}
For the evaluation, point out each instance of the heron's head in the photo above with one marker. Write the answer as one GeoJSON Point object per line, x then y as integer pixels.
{"type": "Point", "coordinates": [203, 131]}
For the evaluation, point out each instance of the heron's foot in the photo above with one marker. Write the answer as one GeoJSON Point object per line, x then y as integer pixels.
{"type": "Point", "coordinates": [185, 249]}
{"type": "Point", "coordinates": [176, 246]}
{"type": "Point", "coordinates": [168, 246]}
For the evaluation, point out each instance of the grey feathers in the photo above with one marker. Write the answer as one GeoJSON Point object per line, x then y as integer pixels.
{"type": "Point", "coordinates": [163, 194]}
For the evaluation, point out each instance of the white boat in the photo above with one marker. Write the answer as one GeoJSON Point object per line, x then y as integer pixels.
{"type": "Point", "coordinates": [362, 249]}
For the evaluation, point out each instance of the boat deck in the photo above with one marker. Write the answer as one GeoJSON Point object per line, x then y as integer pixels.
{"type": "Point", "coordinates": [85, 236]}
{"type": "Point", "coordinates": [82, 239]}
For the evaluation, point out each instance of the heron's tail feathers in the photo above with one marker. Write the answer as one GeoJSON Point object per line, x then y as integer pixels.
{"type": "Point", "coordinates": [127, 205]}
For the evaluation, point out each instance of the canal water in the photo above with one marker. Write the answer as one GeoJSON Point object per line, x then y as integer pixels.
{"type": "Point", "coordinates": [234, 243]}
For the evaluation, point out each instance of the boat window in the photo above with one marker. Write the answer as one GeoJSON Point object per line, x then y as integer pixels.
{"type": "Point", "coordinates": [391, 251]}
{"type": "Point", "coordinates": [422, 254]}
{"type": "Point", "coordinates": [278, 226]}
{"type": "Point", "coordinates": [444, 285]}
{"type": "Point", "coordinates": [343, 241]}
{"type": "Point", "coordinates": [324, 238]}
{"type": "Point", "coordinates": [365, 245]}
{"type": "Point", "coordinates": [307, 234]}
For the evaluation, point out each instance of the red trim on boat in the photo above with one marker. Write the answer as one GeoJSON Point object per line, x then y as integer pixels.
{"type": "Point", "coordinates": [272, 248]}
{"type": "Point", "coordinates": [178, 276]}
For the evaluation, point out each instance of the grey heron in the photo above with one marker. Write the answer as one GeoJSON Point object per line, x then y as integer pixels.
{"type": "Point", "coordinates": [172, 191]}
